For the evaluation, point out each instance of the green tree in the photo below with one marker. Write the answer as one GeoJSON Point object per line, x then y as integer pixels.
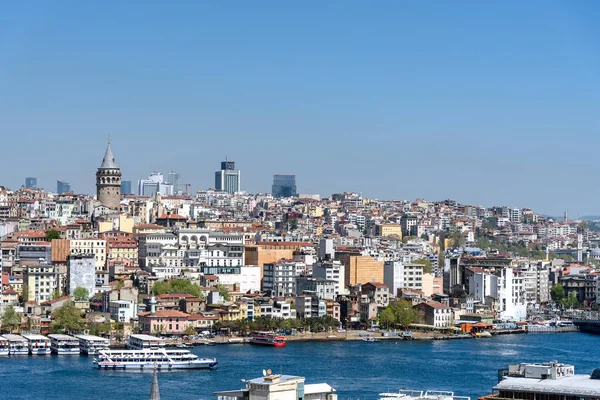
{"type": "Point", "coordinates": [458, 239]}
{"type": "Point", "coordinates": [190, 330]}
{"type": "Point", "coordinates": [99, 329]}
{"type": "Point", "coordinates": [293, 224]}
{"type": "Point", "coordinates": [387, 318]}
{"type": "Point", "coordinates": [557, 293]}
{"type": "Point", "coordinates": [223, 292]}
{"type": "Point", "coordinates": [67, 318]}
{"type": "Point", "coordinates": [570, 301]}
{"type": "Point", "coordinates": [52, 234]}
{"type": "Point", "coordinates": [10, 319]}
{"type": "Point", "coordinates": [81, 294]}
{"type": "Point", "coordinates": [405, 313]}
{"type": "Point", "coordinates": [25, 293]}
{"type": "Point", "coordinates": [426, 263]}
{"type": "Point", "coordinates": [177, 285]}
{"type": "Point", "coordinates": [56, 294]}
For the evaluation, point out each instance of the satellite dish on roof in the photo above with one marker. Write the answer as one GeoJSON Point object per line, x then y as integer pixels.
{"type": "Point", "coordinates": [269, 372]}
{"type": "Point", "coordinates": [264, 372]}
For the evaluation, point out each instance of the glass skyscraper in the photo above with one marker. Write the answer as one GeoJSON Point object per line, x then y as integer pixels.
{"type": "Point", "coordinates": [284, 186]}
{"type": "Point", "coordinates": [227, 179]}
{"type": "Point", "coordinates": [63, 187]}
{"type": "Point", "coordinates": [31, 182]}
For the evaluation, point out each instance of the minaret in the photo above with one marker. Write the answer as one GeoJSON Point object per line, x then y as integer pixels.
{"type": "Point", "coordinates": [154, 393]}
{"type": "Point", "coordinates": [108, 181]}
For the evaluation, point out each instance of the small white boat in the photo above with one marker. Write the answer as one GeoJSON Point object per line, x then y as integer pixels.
{"type": "Point", "coordinates": [370, 339]}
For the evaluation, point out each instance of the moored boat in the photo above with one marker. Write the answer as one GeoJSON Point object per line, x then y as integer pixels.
{"type": "Point", "coordinates": [3, 346]}
{"type": "Point", "coordinates": [141, 342]}
{"type": "Point", "coordinates": [38, 345]}
{"type": "Point", "coordinates": [152, 358]}
{"type": "Point", "coordinates": [17, 345]}
{"type": "Point", "coordinates": [64, 344]}
{"type": "Point", "coordinates": [370, 339]}
{"type": "Point", "coordinates": [268, 339]}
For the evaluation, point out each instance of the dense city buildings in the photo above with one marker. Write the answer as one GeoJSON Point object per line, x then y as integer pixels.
{"type": "Point", "coordinates": [222, 255]}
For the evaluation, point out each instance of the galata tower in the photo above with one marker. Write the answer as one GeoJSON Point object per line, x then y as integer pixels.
{"type": "Point", "coordinates": [108, 181]}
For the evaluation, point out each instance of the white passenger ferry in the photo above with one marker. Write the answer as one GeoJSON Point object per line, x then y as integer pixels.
{"type": "Point", "coordinates": [64, 344]}
{"type": "Point", "coordinates": [17, 345]}
{"type": "Point", "coordinates": [38, 345]}
{"type": "Point", "coordinates": [90, 344]}
{"type": "Point", "coordinates": [150, 359]}
{"type": "Point", "coordinates": [142, 342]}
{"type": "Point", "coordinates": [3, 346]}
{"type": "Point", "coordinates": [421, 395]}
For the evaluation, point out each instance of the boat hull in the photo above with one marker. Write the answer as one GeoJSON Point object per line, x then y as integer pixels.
{"type": "Point", "coordinates": [22, 352]}
{"type": "Point", "coordinates": [40, 352]}
{"type": "Point", "coordinates": [157, 365]}
{"type": "Point", "coordinates": [74, 352]}
{"type": "Point", "coordinates": [275, 344]}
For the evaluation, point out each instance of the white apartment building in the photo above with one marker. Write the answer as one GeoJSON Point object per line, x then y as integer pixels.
{"type": "Point", "coordinates": [506, 286]}
{"type": "Point", "coordinates": [86, 247]}
{"type": "Point", "coordinates": [122, 310]}
{"type": "Point", "coordinates": [41, 279]}
{"type": "Point", "coordinates": [279, 278]}
{"type": "Point", "coordinates": [332, 271]}
{"type": "Point", "coordinates": [393, 276]}
{"type": "Point", "coordinates": [245, 277]}
{"type": "Point", "coordinates": [166, 254]}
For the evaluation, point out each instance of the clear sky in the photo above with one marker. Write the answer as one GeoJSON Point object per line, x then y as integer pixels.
{"type": "Point", "coordinates": [484, 102]}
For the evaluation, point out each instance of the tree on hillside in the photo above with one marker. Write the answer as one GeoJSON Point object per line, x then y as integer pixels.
{"type": "Point", "coordinates": [25, 293]}
{"type": "Point", "coordinates": [10, 319]}
{"type": "Point", "coordinates": [177, 285]}
{"type": "Point", "coordinates": [52, 234]}
{"type": "Point", "coordinates": [557, 293]}
{"type": "Point", "coordinates": [223, 292]}
{"type": "Point", "coordinates": [81, 294]}
{"type": "Point", "coordinates": [68, 319]}
{"type": "Point", "coordinates": [458, 240]}
{"type": "Point", "coordinates": [426, 263]}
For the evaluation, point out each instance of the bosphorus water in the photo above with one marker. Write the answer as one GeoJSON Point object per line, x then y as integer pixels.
{"type": "Point", "coordinates": [358, 370]}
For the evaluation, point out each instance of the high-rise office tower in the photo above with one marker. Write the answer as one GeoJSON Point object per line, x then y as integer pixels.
{"type": "Point", "coordinates": [284, 186]}
{"type": "Point", "coordinates": [63, 187]}
{"type": "Point", "coordinates": [108, 181]}
{"type": "Point", "coordinates": [228, 179]}
{"type": "Point", "coordinates": [30, 182]}
{"type": "Point", "coordinates": [153, 185]}
{"type": "Point", "coordinates": [126, 187]}
{"type": "Point", "coordinates": [173, 179]}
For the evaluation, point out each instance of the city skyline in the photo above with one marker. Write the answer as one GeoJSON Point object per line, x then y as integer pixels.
{"type": "Point", "coordinates": [486, 104]}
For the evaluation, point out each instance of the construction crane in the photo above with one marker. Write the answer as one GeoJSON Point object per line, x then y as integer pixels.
{"type": "Point", "coordinates": [187, 188]}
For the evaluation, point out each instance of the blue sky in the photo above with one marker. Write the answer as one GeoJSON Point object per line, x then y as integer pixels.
{"type": "Point", "coordinates": [484, 102]}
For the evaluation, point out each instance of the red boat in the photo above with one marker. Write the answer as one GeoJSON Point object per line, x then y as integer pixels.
{"type": "Point", "coordinates": [268, 339]}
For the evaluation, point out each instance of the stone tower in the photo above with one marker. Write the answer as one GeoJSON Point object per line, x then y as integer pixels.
{"type": "Point", "coordinates": [108, 181]}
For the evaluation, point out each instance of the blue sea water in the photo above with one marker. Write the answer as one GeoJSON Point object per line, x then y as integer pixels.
{"type": "Point", "coordinates": [358, 370]}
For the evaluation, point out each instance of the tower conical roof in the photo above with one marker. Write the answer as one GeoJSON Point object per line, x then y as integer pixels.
{"type": "Point", "coordinates": [109, 159]}
{"type": "Point", "coordinates": [154, 393]}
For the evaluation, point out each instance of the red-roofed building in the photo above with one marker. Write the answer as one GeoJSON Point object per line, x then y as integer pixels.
{"type": "Point", "coordinates": [436, 314]}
